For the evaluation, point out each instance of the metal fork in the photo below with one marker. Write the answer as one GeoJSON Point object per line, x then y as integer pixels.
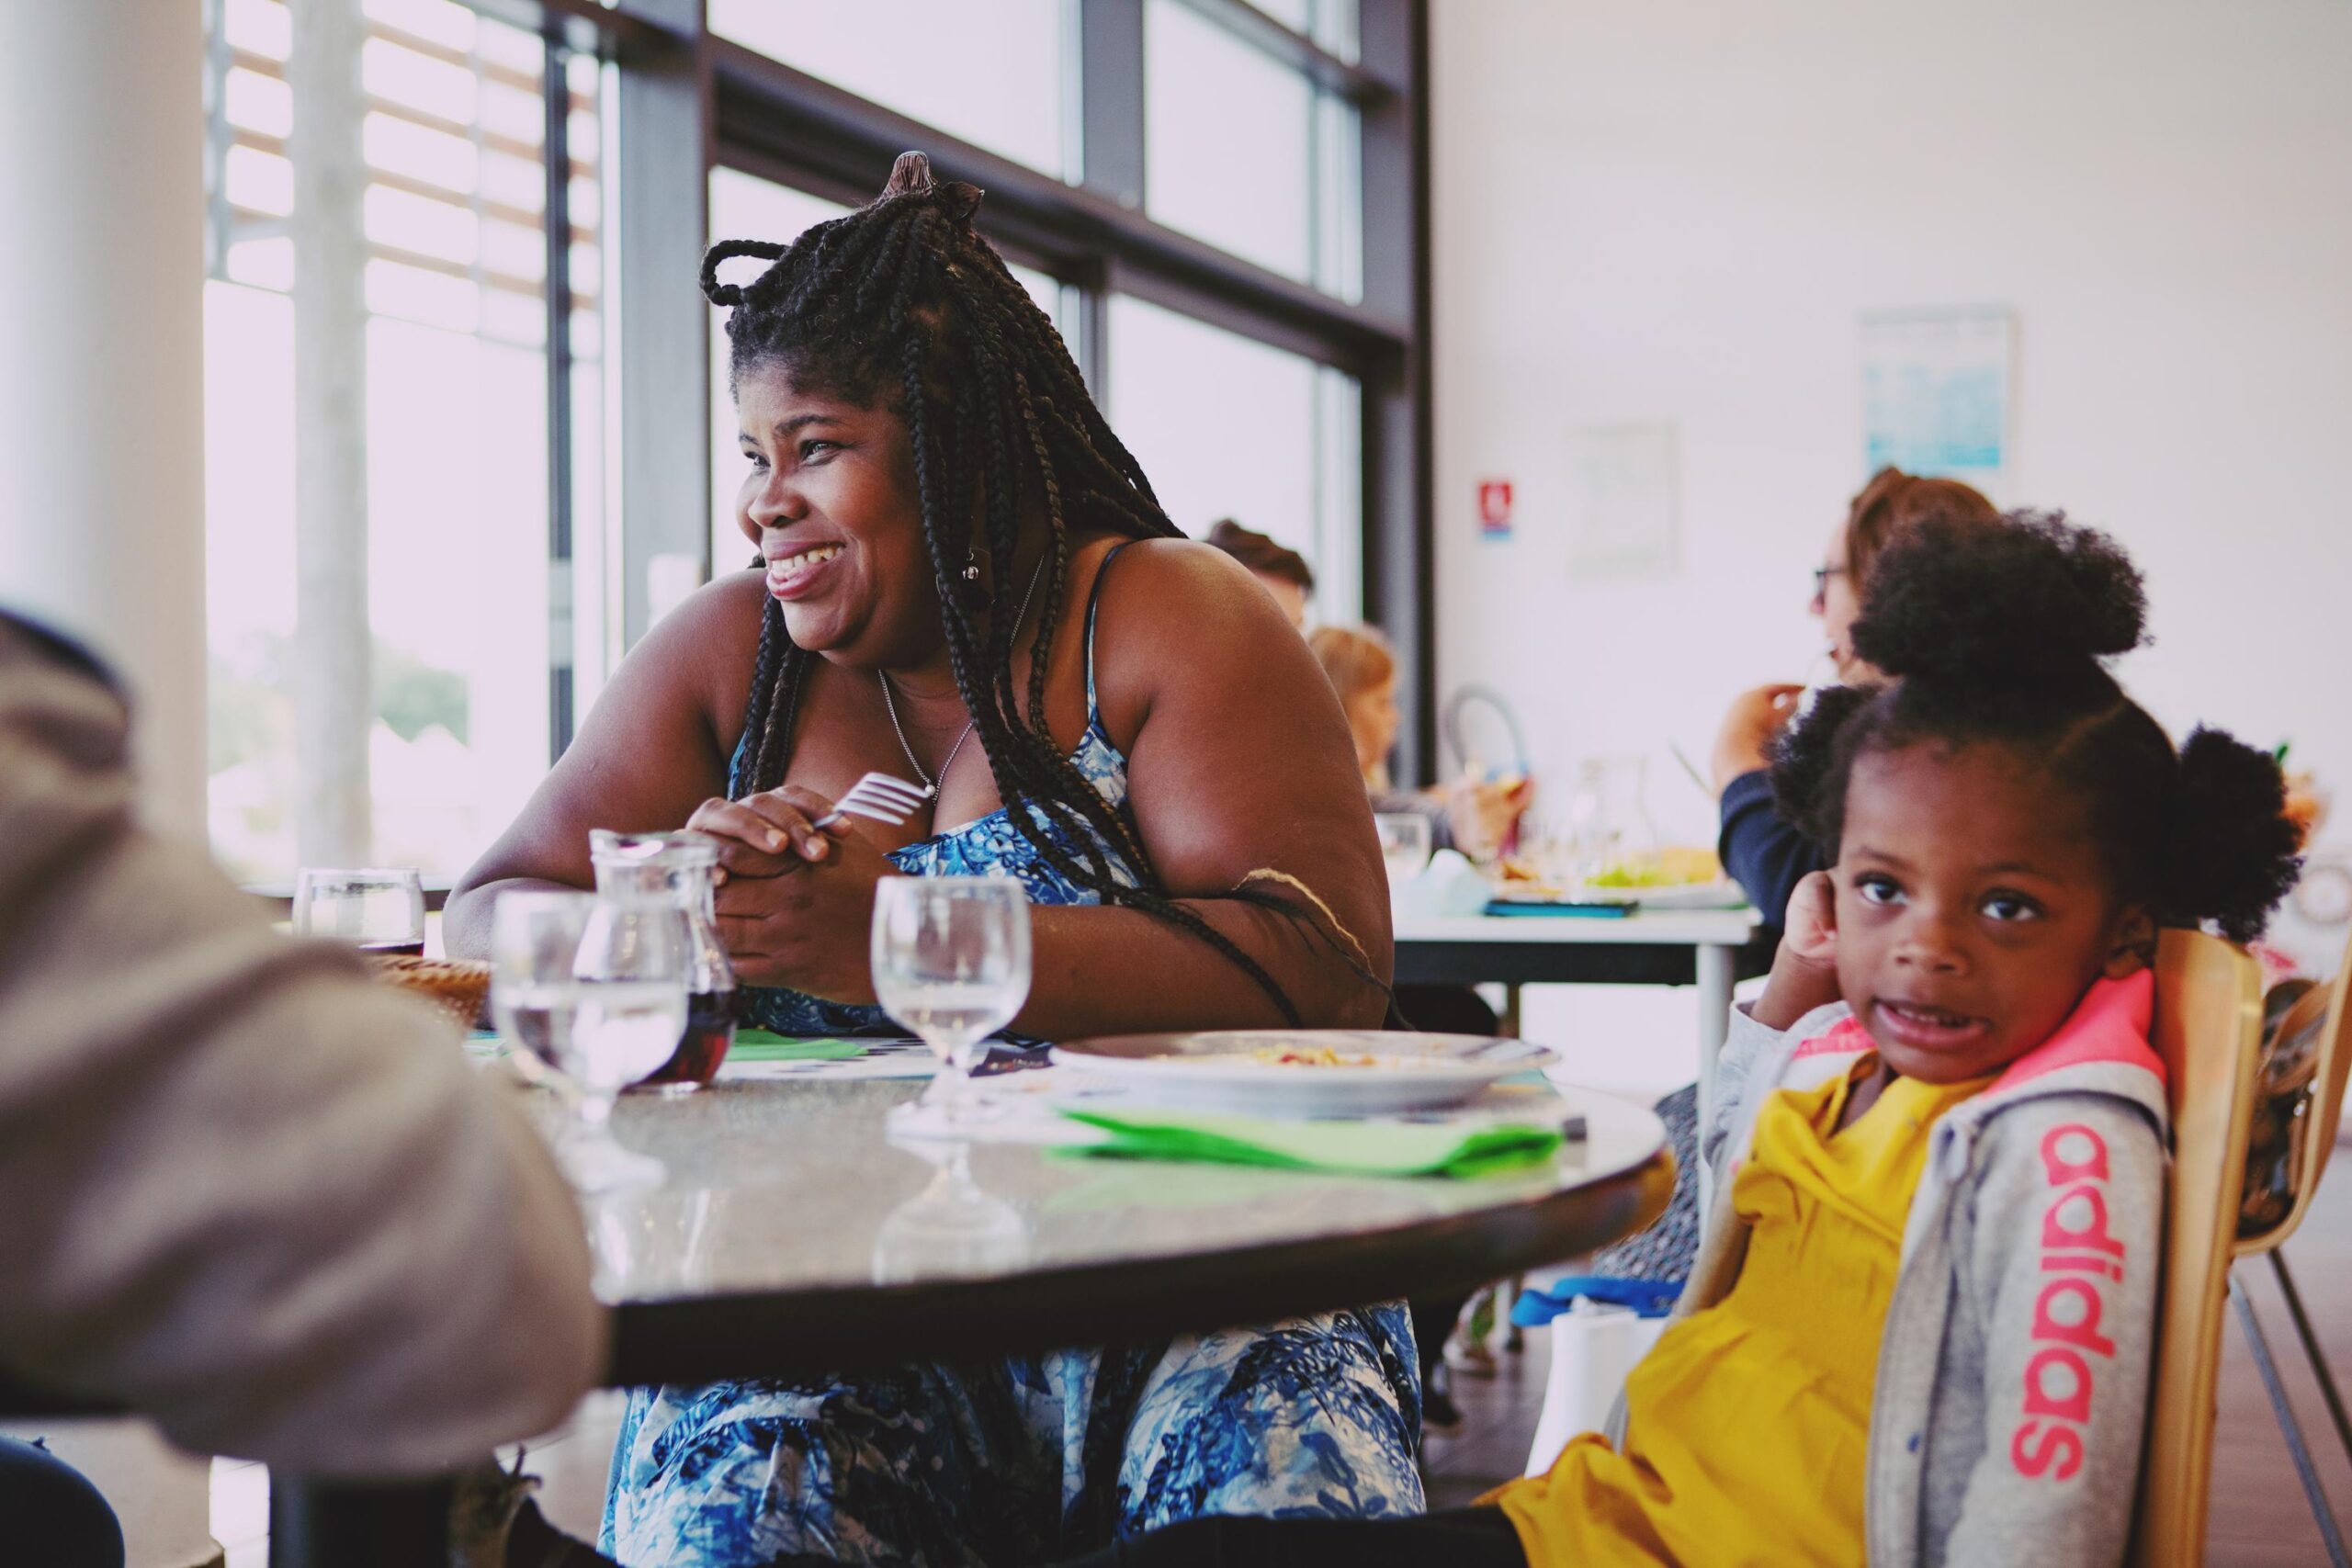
{"type": "Point", "coordinates": [880, 796]}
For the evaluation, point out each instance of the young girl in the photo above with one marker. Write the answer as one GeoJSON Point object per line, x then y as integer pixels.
{"type": "Point", "coordinates": [1918, 1328]}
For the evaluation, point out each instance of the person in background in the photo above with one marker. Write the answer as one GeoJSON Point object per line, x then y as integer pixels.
{"type": "Point", "coordinates": [1283, 571]}
{"type": "Point", "coordinates": [252, 1194]}
{"type": "Point", "coordinates": [1474, 815]}
{"type": "Point", "coordinates": [1763, 851]}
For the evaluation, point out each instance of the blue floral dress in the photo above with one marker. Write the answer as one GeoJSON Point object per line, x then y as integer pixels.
{"type": "Point", "coordinates": [1003, 1463]}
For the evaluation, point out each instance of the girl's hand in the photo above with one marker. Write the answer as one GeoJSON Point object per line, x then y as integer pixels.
{"type": "Point", "coordinates": [804, 925]}
{"type": "Point", "coordinates": [1804, 970]}
{"type": "Point", "coordinates": [1809, 931]}
{"type": "Point", "coordinates": [766, 834]}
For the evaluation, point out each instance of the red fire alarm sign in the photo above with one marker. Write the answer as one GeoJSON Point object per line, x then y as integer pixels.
{"type": "Point", "coordinates": [1494, 508]}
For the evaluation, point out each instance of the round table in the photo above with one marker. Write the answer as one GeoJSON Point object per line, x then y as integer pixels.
{"type": "Point", "coordinates": [781, 1245]}
{"type": "Point", "coordinates": [793, 1235]}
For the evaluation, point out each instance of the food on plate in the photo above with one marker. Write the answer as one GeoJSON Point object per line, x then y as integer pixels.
{"type": "Point", "coordinates": [1306, 1056]}
{"type": "Point", "coordinates": [1681, 867]}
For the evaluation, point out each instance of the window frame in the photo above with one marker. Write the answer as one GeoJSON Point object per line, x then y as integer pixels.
{"type": "Point", "coordinates": [689, 101]}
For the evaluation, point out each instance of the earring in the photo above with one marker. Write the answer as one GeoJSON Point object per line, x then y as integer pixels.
{"type": "Point", "coordinates": [972, 563]}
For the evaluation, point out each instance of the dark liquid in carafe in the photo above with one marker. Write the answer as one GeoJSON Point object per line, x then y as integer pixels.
{"type": "Point", "coordinates": [394, 949]}
{"type": "Point", "coordinates": [710, 1030]}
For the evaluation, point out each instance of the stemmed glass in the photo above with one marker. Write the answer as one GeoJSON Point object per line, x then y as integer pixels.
{"type": "Point", "coordinates": [951, 963]}
{"type": "Point", "coordinates": [595, 989]}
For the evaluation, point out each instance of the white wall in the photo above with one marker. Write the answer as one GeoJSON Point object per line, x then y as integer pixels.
{"type": "Point", "coordinates": [1678, 208]}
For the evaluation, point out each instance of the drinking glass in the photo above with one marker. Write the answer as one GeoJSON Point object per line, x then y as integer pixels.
{"type": "Point", "coordinates": [379, 910]}
{"type": "Point", "coordinates": [1404, 844]}
{"type": "Point", "coordinates": [595, 989]}
{"type": "Point", "coordinates": [951, 963]}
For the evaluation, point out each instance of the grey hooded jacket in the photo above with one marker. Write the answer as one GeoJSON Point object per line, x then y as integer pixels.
{"type": "Point", "coordinates": [2012, 1384]}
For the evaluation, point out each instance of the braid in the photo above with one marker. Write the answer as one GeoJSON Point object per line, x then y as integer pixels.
{"type": "Point", "coordinates": [902, 298]}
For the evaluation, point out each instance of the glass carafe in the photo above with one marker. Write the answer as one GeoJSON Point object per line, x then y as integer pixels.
{"type": "Point", "coordinates": [677, 866]}
{"type": "Point", "coordinates": [1611, 840]}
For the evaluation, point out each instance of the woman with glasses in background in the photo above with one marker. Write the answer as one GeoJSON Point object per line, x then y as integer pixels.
{"type": "Point", "coordinates": [1764, 853]}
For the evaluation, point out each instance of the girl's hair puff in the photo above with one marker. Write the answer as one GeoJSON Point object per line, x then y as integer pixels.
{"type": "Point", "coordinates": [2000, 634]}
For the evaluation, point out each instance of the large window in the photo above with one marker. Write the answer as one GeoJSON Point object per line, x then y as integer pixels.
{"type": "Point", "coordinates": [993, 72]}
{"type": "Point", "coordinates": [1218, 202]}
{"type": "Point", "coordinates": [481, 490]}
{"type": "Point", "coordinates": [1201, 123]}
{"type": "Point", "coordinates": [1228, 427]}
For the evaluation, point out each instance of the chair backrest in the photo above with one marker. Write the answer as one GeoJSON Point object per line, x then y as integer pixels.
{"type": "Point", "coordinates": [2326, 1107]}
{"type": "Point", "coordinates": [2209, 1031]}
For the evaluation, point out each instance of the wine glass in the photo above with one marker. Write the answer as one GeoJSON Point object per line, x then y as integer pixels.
{"type": "Point", "coordinates": [377, 910]}
{"type": "Point", "coordinates": [1404, 844]}
{"type": "Point", "coordinates": [594, 988]}
{"type": "Point", "coordinates": [951, 963]}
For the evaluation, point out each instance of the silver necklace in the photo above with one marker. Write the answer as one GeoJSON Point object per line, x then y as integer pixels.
{"type": "Point", "coordinates": [931, 785]}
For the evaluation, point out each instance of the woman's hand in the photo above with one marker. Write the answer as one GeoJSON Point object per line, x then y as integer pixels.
{"type": "Point", "coordinates": [803, 924]}
{"type": "Point", "coordinates": [1483, 813]}
{"type": "Point", "coordinates": [1755, 716]}
{"type": "Point", "coordinates": [766, 834]}
{"type": "Point", "coordinates": [1804, 970]}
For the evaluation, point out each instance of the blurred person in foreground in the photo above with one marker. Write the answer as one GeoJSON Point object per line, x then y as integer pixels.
{"type": "Point", "coordinates": [1763, 851]}
{"type": "Point", "coordinates": [1281, 571]}
{"type": "Point", "coordinates": [252, 1194]}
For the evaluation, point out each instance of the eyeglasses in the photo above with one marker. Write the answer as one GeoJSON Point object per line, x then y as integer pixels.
{"type": "Point", "coordinates": [1820, 576]}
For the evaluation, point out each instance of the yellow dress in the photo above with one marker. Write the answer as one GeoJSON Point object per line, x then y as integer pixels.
{"type": "Point", "coordinates": [1747, 1424]}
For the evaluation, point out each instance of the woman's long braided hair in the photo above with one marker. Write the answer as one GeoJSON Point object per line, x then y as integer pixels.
{"type": "Point", "coordinates": [902, 298]}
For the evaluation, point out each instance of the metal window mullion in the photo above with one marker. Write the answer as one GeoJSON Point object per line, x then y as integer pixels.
{"type": "Point", "coordinates": [218, 137]}
{"type": "Point", "coordinates": [1111, 100]}
{"type": "Point", "coordinates": [556, 214]}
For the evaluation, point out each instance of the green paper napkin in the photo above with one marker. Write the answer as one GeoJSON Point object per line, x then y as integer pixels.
{"type": "Point", "coordinates": [1354, 1148]}
{"type": "Point", "coordinates": [766, 1046]}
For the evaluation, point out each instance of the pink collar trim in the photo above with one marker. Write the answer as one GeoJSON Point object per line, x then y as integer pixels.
{"type": "Point", "coordinates": [2109, 1025]}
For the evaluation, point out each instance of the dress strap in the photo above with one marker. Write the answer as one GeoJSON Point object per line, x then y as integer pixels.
{"type": "Point", "coordinates": [1094, 603]}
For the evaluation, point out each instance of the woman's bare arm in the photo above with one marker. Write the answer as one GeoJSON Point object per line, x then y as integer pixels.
{"type": "Point", "coordinates": [1241, 774]}
{"type": "Point", "coordinates": [653, 749]}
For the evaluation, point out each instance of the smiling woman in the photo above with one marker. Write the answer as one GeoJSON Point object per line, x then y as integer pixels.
{"type": "Point", "coordinates": [965, 580]}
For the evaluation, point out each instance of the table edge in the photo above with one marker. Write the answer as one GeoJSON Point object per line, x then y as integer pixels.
{"type": "Point", "coordinates": [761, 1333]}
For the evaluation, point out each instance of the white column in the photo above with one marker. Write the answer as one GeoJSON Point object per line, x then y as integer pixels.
{"type": "Point", "coordinates": [334, 676]}
{"type": "Point", "coordinates": [102, 356]}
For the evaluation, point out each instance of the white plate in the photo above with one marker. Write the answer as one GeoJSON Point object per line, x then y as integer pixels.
{"type": "Point", "coordinates": [1721, 895]}
{"type": "Point", "coordinates": [1223, 1070]}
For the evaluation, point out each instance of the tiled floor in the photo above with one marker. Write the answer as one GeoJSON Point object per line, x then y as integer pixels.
{"type": "Point", "coordinates": [2259, 1519]}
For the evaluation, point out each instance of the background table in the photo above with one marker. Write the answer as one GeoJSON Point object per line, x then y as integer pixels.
{"type": "Point", "coordinates": [1667, 947]}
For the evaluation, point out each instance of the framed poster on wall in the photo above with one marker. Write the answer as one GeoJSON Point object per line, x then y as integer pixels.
{"type": "Point", "coordinates": [1938, 394]}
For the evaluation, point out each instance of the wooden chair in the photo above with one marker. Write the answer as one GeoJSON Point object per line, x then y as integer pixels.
{"type": "Point", "coordinates": [2209, 1031]}
{"type": "Point", "coordinates": [2329, 1009]}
